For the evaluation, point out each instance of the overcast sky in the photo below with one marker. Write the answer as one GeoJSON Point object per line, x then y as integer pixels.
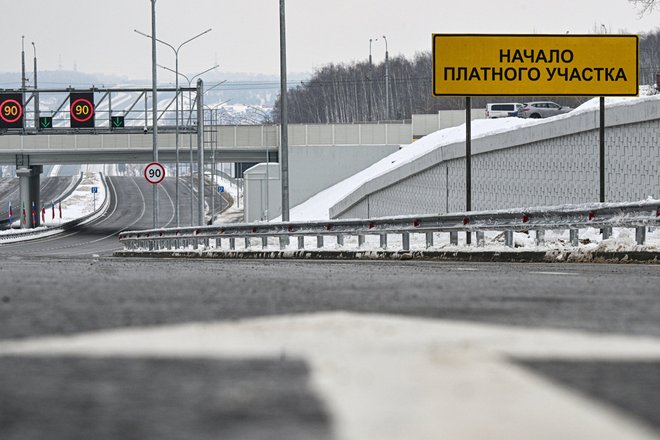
{"type": "Point", "coordinates": [97, 35]}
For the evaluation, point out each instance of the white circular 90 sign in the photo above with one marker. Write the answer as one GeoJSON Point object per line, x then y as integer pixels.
{"type": "Point", "coordinates": [154, 173]}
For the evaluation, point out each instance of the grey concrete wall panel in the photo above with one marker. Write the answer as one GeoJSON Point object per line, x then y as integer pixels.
{"type": "Point", "coordinates": [271, 135]}
{"type": "Point", "coordinates": [425, 124]}
{"type": "Point", "coordinates": [249, 135]}
{"type": "Point", "coordinates": [454, 118]}
{"type": "Point", "coordinates": [554, 162]}
{"type": "Point", "coordinates": [297, 135]}
{"type": "Point", "coordinates": [346, 134]}
{"type": "Point", "coordinates": [227, 135]}
{"type": "Point", "coordinates": [372, 134]}
{"type": "Point", "coordinates": [399, 134]}
{"type": "Point", "coordinates": [262, 195]}
{"type": "Point", "coordinates": [320, 134]}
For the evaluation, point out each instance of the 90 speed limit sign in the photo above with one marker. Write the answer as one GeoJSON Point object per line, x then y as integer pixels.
{"type": "Point", "coordinates": [154, 173]}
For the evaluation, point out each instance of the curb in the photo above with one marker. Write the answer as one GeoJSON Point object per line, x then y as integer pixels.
{"type": "Point", "coordinates": [481, 257]}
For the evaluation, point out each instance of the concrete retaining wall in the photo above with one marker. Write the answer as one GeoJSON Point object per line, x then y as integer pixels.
{"type": "Point", "coordinates": [553, 163]}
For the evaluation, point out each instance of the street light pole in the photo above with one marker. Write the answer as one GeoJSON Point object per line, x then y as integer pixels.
{"type": "Point", "coordinates": [190, 141]}
{"type": "Point", "coordinates": [284, 123]}
{"type": "Point", "coordinates": [200, 152]}
{"type": "Point", "coordinates": [371, 87]}
{"type": "Point", "coordinates": [154, 93]}
{"type": "Point", "coordinates": [176, 72]}
{"type": "Point", "coordinates": [387, 82]}
{"type": "Point", "coordinates": [36, 93]}
{"type": "Point", "coordinates": [22, 63]}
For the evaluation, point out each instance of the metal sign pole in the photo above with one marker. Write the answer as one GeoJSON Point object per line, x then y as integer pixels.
{"type": "Point", "coordinates": [154, 98]}
{"type": "Point", "coordinates": [602, 149]}
{"type": "Point", "coordinates": [468, 160]}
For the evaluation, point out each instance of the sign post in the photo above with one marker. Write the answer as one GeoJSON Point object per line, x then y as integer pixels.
{"type": "Point", "coordinates": [221, 190]}
{"type": "Point", "coordinates": [535, 65]}
{"type": "Point", "coordinates": [95, 190]}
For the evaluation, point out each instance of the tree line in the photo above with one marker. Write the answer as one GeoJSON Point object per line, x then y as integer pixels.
{"type": "Point", "coordinates": [356, 92]}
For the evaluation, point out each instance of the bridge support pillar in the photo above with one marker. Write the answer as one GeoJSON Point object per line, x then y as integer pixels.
{"type": "Point", "coordinates": [30, 196]}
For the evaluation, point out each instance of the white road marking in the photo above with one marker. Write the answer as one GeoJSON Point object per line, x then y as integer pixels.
{"type": "Point", "coordinates": [389, 377]}
{"type": "Point", "coordinates": [553, 273]}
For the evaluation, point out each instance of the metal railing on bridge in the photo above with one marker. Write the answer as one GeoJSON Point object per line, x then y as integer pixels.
{"type": "Point", "coordinates": [96, 109]}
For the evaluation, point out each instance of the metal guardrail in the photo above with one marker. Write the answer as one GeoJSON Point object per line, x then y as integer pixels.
{"type": "Point", "coordinates": [638, 215]}
{"type": "Point", "coordinates": [37, 233]}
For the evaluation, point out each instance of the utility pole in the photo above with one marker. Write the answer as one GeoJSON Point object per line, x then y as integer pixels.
{"type": "Point", "coordinates": [154, 97]}
{"type": "Point", "coordinates": [284, 123]}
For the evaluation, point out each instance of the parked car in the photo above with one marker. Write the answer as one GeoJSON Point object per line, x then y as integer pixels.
{"type": "Point", "coordinates": [502, 109]}
{"type": "Point", "coordinates": [541, 109]}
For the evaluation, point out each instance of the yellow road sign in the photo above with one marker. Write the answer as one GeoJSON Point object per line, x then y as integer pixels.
{"type": "Point", "coordinates": [573, 65]}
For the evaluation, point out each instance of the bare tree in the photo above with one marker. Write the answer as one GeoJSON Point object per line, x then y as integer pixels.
{"type": "Point", "coordinates": [645, 5]}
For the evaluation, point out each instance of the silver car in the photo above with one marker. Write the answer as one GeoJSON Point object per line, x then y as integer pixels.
{"type": "Point", "coordinates": [541, 109]}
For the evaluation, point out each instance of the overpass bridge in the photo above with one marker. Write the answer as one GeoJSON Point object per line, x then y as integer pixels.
{"type": "Point", "coordinates": [231, 143]}
{"type": "Point", "coordinates": [104, 126]}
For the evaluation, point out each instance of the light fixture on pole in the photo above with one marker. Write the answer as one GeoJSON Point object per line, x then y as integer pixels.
{"type": "Point", "coordinates": [176, 86]}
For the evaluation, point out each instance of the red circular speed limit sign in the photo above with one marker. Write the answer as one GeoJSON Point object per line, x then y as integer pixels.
{"type": "Point", "coordinates": [82, 110]}
{"type": "Point", "coordinates": [11, 110]}
{"type": "Point", "coordinates": [154, 173]}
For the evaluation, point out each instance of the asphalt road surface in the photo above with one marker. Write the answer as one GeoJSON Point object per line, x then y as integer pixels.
{"type": "Point", "coordinates": [98, 347]}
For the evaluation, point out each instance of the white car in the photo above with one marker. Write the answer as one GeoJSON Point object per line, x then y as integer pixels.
{"type": "Point", "coordinates": [542, 109]}
{"type": "Point", "coordinates": [502, 109]}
